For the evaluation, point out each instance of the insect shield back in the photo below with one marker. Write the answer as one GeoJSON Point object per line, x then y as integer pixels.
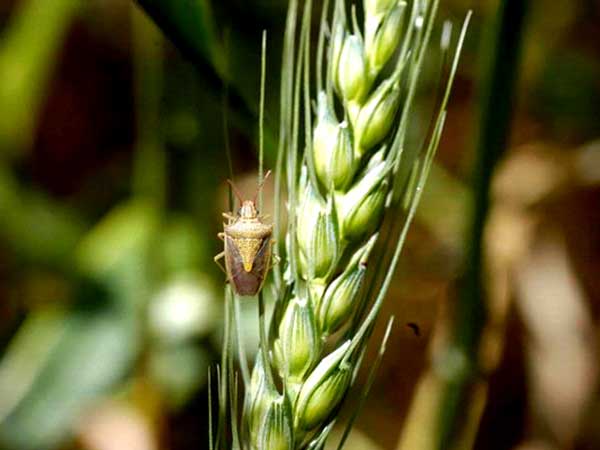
{"type": "Point", "coordinates": [248, 246]}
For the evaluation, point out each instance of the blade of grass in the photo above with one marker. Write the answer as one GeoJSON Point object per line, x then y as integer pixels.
{"type": "Point", "coordinates": [233, 410]}
{"type": "Point", "coordinates": [502, 52]}
{"type": "Point", "coordinates": [210, 412]}
{"type": "Point", "coordinates": [261, 117]}
{"type": "Point", "coordinates": [225, 108]}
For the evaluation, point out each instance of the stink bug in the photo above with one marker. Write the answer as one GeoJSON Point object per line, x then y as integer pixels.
{"type": "Point", "coordinates": [248, 246]}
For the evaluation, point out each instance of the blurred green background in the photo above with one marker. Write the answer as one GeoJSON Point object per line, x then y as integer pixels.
{"type": "Point", "coordinates": [112, 170]}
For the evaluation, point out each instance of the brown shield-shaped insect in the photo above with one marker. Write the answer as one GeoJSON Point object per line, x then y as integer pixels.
{"type": "Point", "coordinates": [248, 246]}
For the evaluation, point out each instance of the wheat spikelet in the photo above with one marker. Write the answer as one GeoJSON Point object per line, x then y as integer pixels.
{"type": "Point", "coordinates": [352, 193]}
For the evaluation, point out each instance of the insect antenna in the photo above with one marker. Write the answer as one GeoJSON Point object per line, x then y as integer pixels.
{"type": "Point", "coordinates": [260, 186]}
{"type": "Point", "coordinates": [235, 191]}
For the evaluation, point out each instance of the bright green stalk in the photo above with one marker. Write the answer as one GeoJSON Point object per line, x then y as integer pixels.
{"type": "Point", "coordinates": [497, 96]}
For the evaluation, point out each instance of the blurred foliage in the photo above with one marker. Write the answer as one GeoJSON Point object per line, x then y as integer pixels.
{"type": "Point", "coordinates": [567, 95]}
{"type": "Point", "coordinates": [28, 53]}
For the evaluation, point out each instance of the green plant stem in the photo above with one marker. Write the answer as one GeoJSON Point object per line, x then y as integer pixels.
{"type": "Point", "coordinates": [500, 69]}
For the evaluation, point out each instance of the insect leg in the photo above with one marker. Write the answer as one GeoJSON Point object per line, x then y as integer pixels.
{"type": "Point", "coordinates": [275, 259]}
{"type": "Point", "coordinates": [229, 216]}
{"type": "Point", "coordinates": [222, 237]}
{"type": "Point", "coordinates": [217, 258]}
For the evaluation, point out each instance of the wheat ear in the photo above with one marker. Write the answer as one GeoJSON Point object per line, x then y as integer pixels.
{"type": "Point", "coordinates": [354, 182]}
